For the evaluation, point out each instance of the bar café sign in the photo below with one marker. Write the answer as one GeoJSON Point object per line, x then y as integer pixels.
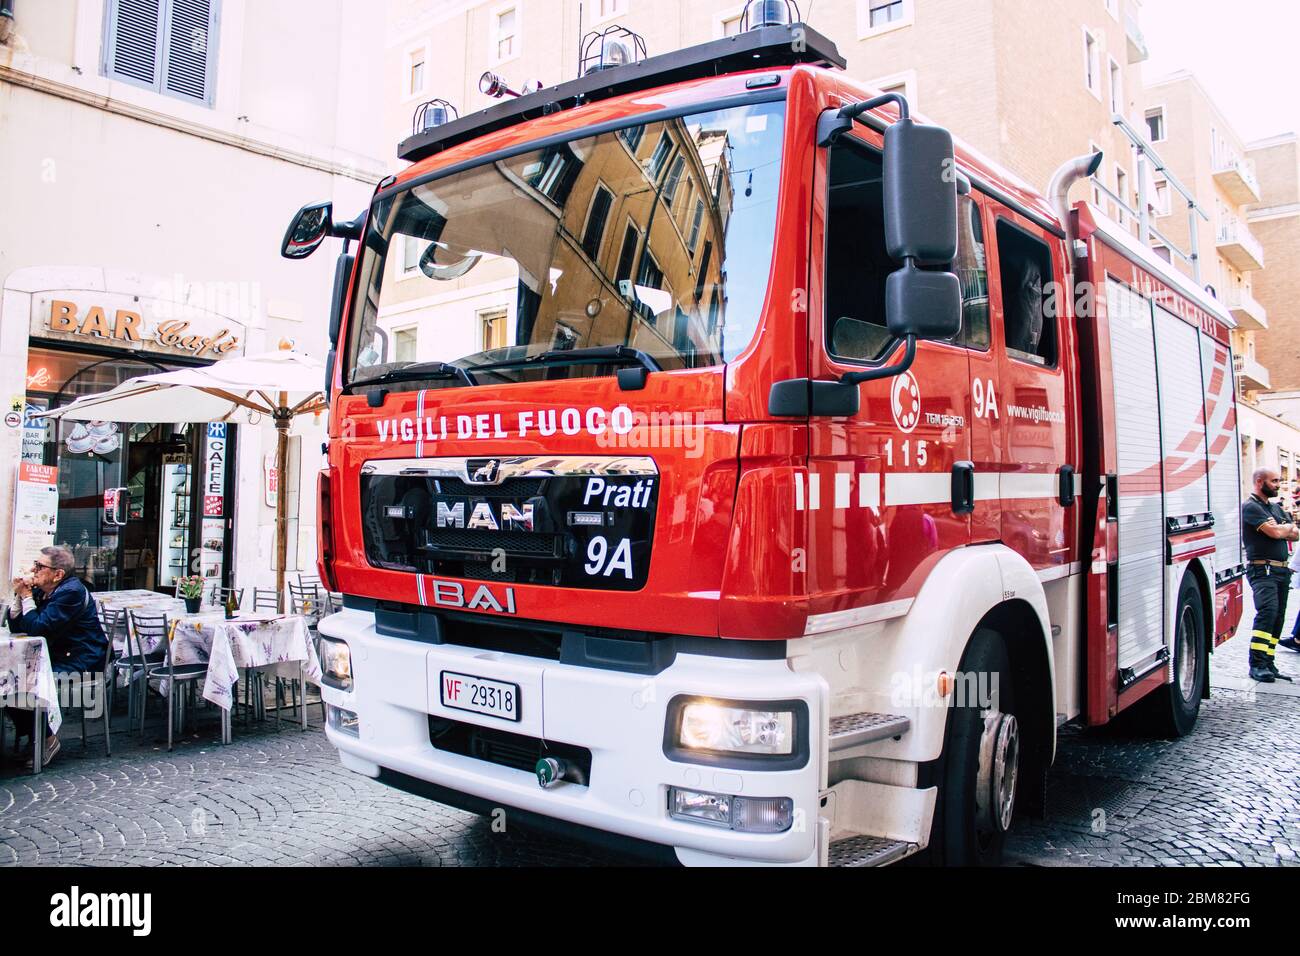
{"type": "Point", "coordinates": [136, 324]}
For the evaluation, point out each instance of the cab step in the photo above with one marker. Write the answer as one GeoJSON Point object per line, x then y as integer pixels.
{"type": "Point", "coordinates": [864, 850]}
{"type": "Point", "coordinates": [852, 730]}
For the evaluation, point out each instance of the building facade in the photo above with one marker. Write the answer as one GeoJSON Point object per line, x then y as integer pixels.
{"type": "Point", "coordinates": [154, 154]}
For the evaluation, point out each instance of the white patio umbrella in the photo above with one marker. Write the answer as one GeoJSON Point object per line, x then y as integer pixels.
{"type": "Point", "coordinates": [282, 385]}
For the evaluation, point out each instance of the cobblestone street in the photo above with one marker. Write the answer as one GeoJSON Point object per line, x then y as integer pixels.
{"type": "Point", "coordinates": [1223, 796]}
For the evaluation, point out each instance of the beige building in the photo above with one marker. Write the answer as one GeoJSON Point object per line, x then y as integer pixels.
{"type": "Point", "coordinates": [1275, 221]}
{"type": "Point", "coordinates": [984, 68]}
{"type": "Point", "coordinates": [153, 156]}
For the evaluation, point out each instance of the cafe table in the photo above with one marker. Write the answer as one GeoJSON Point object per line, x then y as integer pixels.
{"type": "Point", "coordinates": [280, 643]}
{"type": "Point", "coordinates": [27, 683]}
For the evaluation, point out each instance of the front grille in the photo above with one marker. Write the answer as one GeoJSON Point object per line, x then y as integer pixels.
{"type": "Point", "coordinates": [485, 542]}
{"type": "Point", "coordinates": [516, 751]}
{"type": "Point", "coordinates": [510, 488]}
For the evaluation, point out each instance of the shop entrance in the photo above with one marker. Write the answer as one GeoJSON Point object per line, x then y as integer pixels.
{"type": "Point", "coordinates": [129, 500]}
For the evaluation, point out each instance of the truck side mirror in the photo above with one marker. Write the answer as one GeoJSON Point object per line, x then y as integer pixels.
{"type": "Point", "coordinates": [308, 230]}
{"type": "Point", "coordinates": [920, 210]}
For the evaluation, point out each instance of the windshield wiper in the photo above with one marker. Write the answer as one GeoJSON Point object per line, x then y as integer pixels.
{"type": "Point", "coordinates": [593, 355]}
{"type": "Point", "coordinates": [420, 370]}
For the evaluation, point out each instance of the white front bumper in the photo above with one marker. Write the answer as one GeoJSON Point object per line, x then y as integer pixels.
{"type": "Point", "coordinates": [619, 717]}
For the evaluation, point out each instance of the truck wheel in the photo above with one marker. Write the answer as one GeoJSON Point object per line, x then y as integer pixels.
{"type": "Point", "coordinates": [1172, 710]}
{"type": "Point", "coordinates": [981, 761]}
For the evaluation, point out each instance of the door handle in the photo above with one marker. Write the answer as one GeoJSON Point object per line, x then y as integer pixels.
{"type": "Point", "coordinates": [963, 487]}
{"type": "Point", "coordinates": [1065, 488]}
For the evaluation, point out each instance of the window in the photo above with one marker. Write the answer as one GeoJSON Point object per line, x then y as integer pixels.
{"type": "Point", "coordinates": [904, 83]}
{"type": "Point", "coordinates": [1028, 313]}
{"type": "Point", "coordinates": [674, 180]}
{"type": "Point", "coordinates": [1121, 190]}
{"type": "Point", "coordinates": [168, 46]}
{"type": "Point", "coordinates": [730, 26]}
{"type": "Point", "coordinates": [494, 329]}
{"type": "Point", "coordinates": [412, 249]}
{"type": "Point", "coordinates": [1097, 197]}
{"type": "Point", "coordinates": [555, 173]}
{"type": "Point", "coordinates": [881, 16]}
{"type": "Point", "coordinates": [1156, 124]}
{"type": "Point", "coordinates": [1112, 7]}
{"type": "Point", "coordinates": [1160, 202]}
{"type": "Point", "coordinates": [593, 233]}
{"type": "Point", "coordinates": [631, 136]}
{"type": "Point", "coordinates": [505, 32]}
{"type": "Point", "coordinates": [406, 344]}
{"type": "Point", "coordinates": [605, 9]}
{"type": "Point", "coordinates": [1116, 88]}
{"type": "Point", "coordinates": [415, 78]}
{"type": "Point", "coordinates": [972, 271]}
{"type": "Point", "coordinates": [856, 261]}
{"type": "Point", "coordinates": [627, 257]}
{"type": "Point", "coordinates": [659, 157]}
{"type": "Point", "coordinates": [882, 12]}
{"type": "Point", "coordinates": [1091, 64]}
{"type": "Point", "coordinates": [696, 222]}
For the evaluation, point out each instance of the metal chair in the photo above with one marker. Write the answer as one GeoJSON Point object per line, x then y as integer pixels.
{"type": "Point", "coordinates": [266, 599]}
{"type": "Point", "coordinates": [157, 626]}
{"type": "Point", "coordinates": [220, 595]}
{"type": "Point", "coordinates": [146, 637]}
{"type": "Point", "coordinates": [99, 682]}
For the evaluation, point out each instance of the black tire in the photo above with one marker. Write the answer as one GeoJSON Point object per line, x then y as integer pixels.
{"type": "Point", "coordinates": [963, 833]}
{"type": "Point", "coordinates": [1172, 710]}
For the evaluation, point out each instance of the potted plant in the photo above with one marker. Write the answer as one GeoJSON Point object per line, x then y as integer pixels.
{"type": "Point", "coordinates": [191, 589]}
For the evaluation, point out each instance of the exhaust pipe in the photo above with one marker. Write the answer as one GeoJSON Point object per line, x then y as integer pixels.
{"type": "Point", "coordinates": [1066, 175]}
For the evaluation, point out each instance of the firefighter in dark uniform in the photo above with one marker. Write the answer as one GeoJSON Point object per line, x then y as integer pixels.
{"type": "Point", "coordinates": [1266, 530]}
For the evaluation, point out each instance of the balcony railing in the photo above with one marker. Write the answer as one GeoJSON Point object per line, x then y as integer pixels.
{"type": "Point", "coordinates": [1245, 308]}
{"type": "Point", "coordinates": [1236, 176]}
{"type": "Point", "coordinates": [1238, 245]}
{"type": "Point", "coordinates": [1251, 376]}
{"type": "Point", "coordinates": [1136, 43]}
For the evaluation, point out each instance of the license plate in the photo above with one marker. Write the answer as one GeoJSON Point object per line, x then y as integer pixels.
{"type": "Point", "coordinates": [479, 695]}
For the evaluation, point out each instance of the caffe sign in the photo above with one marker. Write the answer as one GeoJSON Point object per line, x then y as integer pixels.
{"type": "Point", "coordinates": [136, 324]}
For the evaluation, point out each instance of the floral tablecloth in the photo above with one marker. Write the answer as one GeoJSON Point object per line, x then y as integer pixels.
{"type": "Point", "coordinates": [26, 678]}
{"type": "Point", "coordinates": [227, 646]}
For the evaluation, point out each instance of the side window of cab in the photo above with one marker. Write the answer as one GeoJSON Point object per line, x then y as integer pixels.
{"type": "Point", "coordinates": [857, 264]}
{"type": "Point", "coordinates": [1028, 310]}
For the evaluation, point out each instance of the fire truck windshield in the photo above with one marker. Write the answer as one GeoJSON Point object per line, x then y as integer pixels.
{"type": "Point", "coordinates": [658, 237]}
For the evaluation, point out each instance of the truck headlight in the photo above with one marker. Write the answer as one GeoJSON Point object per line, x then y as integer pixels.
{"type": "Point", "coordinates": [335, 664]}
{"type": "Point", "coordinates": [741, 730]}
{"type": "Point", "coordinates": [759, 735]}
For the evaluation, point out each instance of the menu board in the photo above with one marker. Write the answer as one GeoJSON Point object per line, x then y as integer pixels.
{"type": "Point", "coordinates": [36, 510]}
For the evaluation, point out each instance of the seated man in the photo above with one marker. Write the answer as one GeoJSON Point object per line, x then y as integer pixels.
{"type": "Point", "coordinates": [57, 607]}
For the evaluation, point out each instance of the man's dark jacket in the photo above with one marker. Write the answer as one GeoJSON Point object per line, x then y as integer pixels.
{"type": "Point", "coordinates": [67, 619]}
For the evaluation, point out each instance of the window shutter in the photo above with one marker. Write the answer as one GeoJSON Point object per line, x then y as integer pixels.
{"type": "Point", "coordinates": [187, 50]}
{"type": "Point", "coordinates": [134, 26]}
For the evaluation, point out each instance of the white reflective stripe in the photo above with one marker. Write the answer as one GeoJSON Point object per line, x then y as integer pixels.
{"type": "Point", "coordinates": [419, 587]}
{"type": "Point", "coordinates": [869, 490]}
{"type": "Point", "coordinates": [798, 491]}
{"type": "Point", "coordinates": [986, 486]}
{"type": "Point", "coordinates": [1025, 485]}
{"type": "Point", "coordinates": [814, 491]}
{"type": "Point", "coordinates": [1060, 571]}
{"type": "Point", "coordinates": [1078, 484]}
{"type": "Point", "coordinates": [912, 488]}
{"type": "Point", "coordinates": [853, 617]}
{"type": "Point", "coordinates": [1184, 546]}
{"type": "Point", "coordinates": [842, 489]}
{"type": "Point", "coordinates": [419, 424]}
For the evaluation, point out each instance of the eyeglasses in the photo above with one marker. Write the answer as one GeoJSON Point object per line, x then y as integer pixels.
{"type": "Point", "coordinates": [38, 567]}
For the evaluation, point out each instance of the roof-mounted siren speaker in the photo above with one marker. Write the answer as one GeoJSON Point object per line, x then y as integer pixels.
{"type": "Point", "coordinates": [769, 13]}
{"type": "Point", "coordinates": [432, 114]}
{"type": "Point", "coordinates": [610, 48]}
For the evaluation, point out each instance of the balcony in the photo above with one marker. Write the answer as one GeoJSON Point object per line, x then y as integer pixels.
{"type": "Point", "coordinates": [1239, 247]}
{"type": "Point", "coordinates": [1245, 308]}
{"type": "Point", "coordinates": [1136, 43]}
{"type": "Point", "coordinates": [1251, 376]}
{"type": "Point", "coordinates": [1236, 177]}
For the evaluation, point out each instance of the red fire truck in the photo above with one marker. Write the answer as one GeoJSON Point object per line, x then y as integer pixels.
{"type": "Point", "coordinates": [725, 466]}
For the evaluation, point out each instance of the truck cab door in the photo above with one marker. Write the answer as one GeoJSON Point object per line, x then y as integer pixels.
{"type": "Point", "coordinates": [1032, 418]}
{"type": "Point", "coordinates": [887, 486]}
